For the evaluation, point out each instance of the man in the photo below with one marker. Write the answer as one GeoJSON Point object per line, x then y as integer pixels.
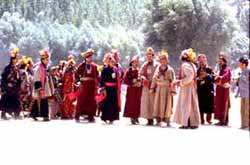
{"type": "Point", "coordinates": [187, 109]}
{"type": "Point", "coordinates": [161, 86]}
{"type": "Point", "coordinates": [244, 92]}
{"type": "Point", "coordinates": [222, 98]}
{"type": "Point", "coordinates": [205, 89]}
{"type": "Point", "coordinates": [43, 88]}
{"type": "Point", "coordinates": [10, 86]}
{"type": "Point", "coordinates": [88, 75]}
{"type": "Point", "coordinates": [147, 99]}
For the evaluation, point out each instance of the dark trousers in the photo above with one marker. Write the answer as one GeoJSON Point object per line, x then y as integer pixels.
{"type": "Point", "coordinates": [44, 109]}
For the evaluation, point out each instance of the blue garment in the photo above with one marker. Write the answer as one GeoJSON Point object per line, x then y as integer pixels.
{"type": "Point", "coordinates": [244, 83]}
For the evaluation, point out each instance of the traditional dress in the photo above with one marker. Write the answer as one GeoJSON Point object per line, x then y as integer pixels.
{"type": "Point", "coordinates": [43, 84]}
{"type": "Point", "coordinates": [26, 89]}
{"type": "Point", "coordinates": [111, 105]}
{"type": "Point", "coordinates": [222, 98]}
{"type": "Point", "coordinates": [86, 104]}
{"type": "Point", "coordinates": [187, 108]}
{"type": "Point", "coordinates": [244, 89]}
{"type": "Point", "coordinates": [133, 95]}
{"type": "Point", "coordinates": [205, 90]}
{"type": "Point", "coordinates": [10, 86]}
{"type": "Point", "coordinates": [147, 99]}
{"type": "Point", "coordinates": [161, 84]}
{"type": "Point", "coordinates": [68, 81]}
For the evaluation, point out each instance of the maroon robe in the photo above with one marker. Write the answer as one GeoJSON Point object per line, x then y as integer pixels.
{"type": "Point", "coordinates": [86, 103]}
{"type": "Point", "coordinates": [133, 96]}
{"type": "Point", "coordinates": [222, 98]}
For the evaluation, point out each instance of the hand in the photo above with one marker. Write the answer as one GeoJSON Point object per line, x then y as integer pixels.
{"type": "Point", "coordinates": [177, 83]}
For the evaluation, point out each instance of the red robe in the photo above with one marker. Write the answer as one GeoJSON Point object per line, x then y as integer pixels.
{"type": "Point", "coordinates": [133, 96]}
{"type": "Point", "coordinates": [68, 107]}
{"type": "Point", "coordinates": [86, 103]}
{"type": "Point", "coordinates": [222, 98]}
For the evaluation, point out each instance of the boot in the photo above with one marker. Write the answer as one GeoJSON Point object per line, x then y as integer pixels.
{"type": "Point", "coordinates": [3, 116]}
{"type": "Point", "coordinates": [168, 122]}
{"type": "Point", "coordinates": [150, 122]}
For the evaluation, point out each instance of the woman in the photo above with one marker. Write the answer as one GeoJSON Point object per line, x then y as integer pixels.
{"type": "Point", "coordinates": [10, 86]}
{"type": "Point", "coordinates": [134, 89]}
{"type": "Point", "coordinates": [110, 81]}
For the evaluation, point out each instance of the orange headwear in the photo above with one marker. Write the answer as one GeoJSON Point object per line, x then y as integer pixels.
{"type": "Point", "coordinates": [188, 53]}
{"type": "Point", "coordinates": [14, 52]}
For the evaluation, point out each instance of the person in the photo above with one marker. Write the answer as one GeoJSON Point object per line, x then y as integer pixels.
{"type": "Point", "coordinates": [222, 97]}
{"type": "Point", "coordinates": [205, 89]}
{"type": "Point", "coordinates": [55, 101]}
{"type": "Point", "coordinates": [147, 100]}
{"type": "Point", "coordinates": [88, 75]}
{"type": "Point", "coordinates": [162, 88]}
{"type": "Point", "coordinates": [25, 69]}
{"type": "Point", "coordinates": [116, 56]}
{"type": "Point", "coordinates": [110, 82]}
{"type": "Point", "coordinates": [187, 109]}
{"type": "Point", "coordinates": [244, 92]}
{"type": "Point", "coordinates": [10, 86]}
{"type": "Point", "coordinates": [68, 80]}
{"type": "Point", "coordinates": [134, 88]}
{"type": "Point", "coordinates": [43, 88]}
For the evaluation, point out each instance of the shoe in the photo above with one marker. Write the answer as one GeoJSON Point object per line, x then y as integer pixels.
{"type": "Point", "coordinates": [46, 119]}
{"type": "Point", "coordinates": [137, 121]}
{"type": "Point", "coordinates": [193, 127]}
{"type": "Point", "coordinates": [150, 122]}
{"type": "Point", "coordinates": [133, 122]}
{"type": "Point", "coordinates": [219, 123]}
{"type": "Point", "coordinates": [183, 127]}
{"type": "Point", "coordinates": [34, 118]}
{"type": "Point", "coordinates": [209, 122]}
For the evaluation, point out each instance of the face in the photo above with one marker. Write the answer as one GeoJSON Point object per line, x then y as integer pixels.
{"type": "Point", "coordinates": [150, 57]}
{"type": "Point", "coordinates": [89, 59]}
{"type": "Point", "coordinates": [163, 61]}
{"type": "Point", "coordinates": [45, 61]}
{"type": "Point", "coordinates": [242, 66]}
{"type": "Point", "coordinates": [135, 64]}
{"type": "Point", "coordinates": [220, 61]}
{"type": "Point", "coordinates": [202, 60]}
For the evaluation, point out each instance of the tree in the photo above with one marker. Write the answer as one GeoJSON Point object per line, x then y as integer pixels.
{"type": "Point", "coordinates": [204, 25]}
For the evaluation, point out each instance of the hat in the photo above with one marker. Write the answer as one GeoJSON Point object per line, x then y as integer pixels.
{"type": "Point", "coordinates": [150, 50]}
{"type": "Point", "coordinates": [134, 58]}
{"type": "Point", "coordinates": [163, 55]}
{"type": "Point", "coordinates": [14, 52]}
{"type": "Point", "coordinates": [71, 57]}
{"type": "Point", "coordinates": [44, 53]}
{"type": "Point", "coordinates": [88, 53]}
{"type": "Point", "coordinates": [188, 53]}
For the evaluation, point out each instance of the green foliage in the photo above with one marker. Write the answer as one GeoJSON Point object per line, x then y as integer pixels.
{"type": "Point", "coordinates": [204, 25]}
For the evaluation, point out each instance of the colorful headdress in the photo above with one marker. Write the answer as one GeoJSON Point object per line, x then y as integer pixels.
{"type": "Point", "coordinates": [14, 52]}
{"type": "Point", "coordinates": [188, 53]}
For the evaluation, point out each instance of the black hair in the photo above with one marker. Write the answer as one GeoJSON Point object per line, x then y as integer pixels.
{"type": "Point", "coordinates": [243, 60]}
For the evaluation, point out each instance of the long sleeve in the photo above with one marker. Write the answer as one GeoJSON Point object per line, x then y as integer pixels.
{"type": "Point", "coordinates": [188, 74]}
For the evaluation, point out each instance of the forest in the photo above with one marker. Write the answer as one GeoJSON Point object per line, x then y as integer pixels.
{"type": "Point", "coordinates": [71, 26]}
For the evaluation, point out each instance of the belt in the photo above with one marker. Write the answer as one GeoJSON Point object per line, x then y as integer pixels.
{"type": "Point", "coordinates": [87, 79]}
{"type": "Point", "coordinates": [110, 84]}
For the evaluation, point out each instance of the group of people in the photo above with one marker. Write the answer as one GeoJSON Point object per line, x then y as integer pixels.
{"type": "Point", "coordinates": [88, 90]}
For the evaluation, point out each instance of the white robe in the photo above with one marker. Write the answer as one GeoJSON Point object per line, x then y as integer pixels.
{"type": "Point", "coordinates": [187, 99]}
